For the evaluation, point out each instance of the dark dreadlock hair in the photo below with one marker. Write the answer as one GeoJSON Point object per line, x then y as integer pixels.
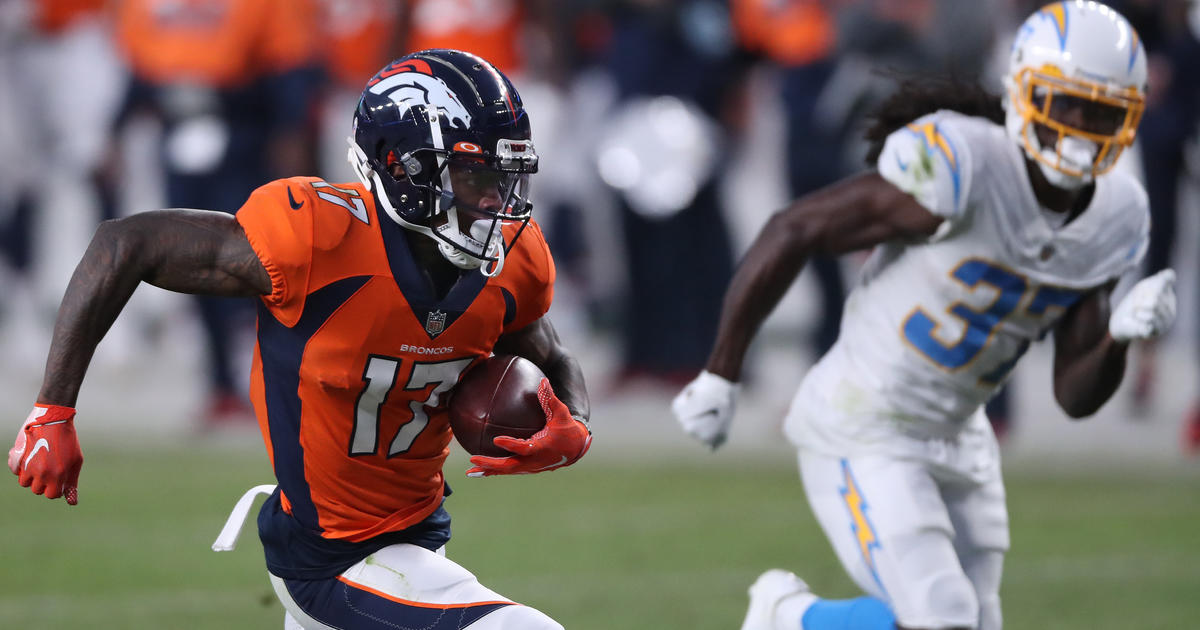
{"type": "Point", "coordinates": [920, 95]}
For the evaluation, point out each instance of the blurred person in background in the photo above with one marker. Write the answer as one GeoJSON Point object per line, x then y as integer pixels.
{"type": "Point", "coordinates": [519, 36]}
{"type": "Point", "coordinates": [374, 298]}
{"type": "Point", "coordinates": [1170, 123]}
{"type": "Point", "coordinates": [800, 38]}
{"type": "Point", "coordinates": [231, 83]}
{"type": "Point", "coordinates": [358, 36]}
{"type": "Point", "coordinates": [991, 226]}
{"type": "Point", "coordinates": [679, 78]}
{"type": "Point", "coordinates": [1189, 74]}
{"type": "Point", "coordinates": [51, 51]}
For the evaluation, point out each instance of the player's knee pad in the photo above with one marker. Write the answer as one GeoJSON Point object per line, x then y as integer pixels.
{"type": "Point", "coordinates": [943, 600]}
{"type": "Point", "coordinates": [516, 617]}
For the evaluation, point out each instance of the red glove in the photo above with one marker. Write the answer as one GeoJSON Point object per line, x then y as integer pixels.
{"type": "Point", "coordinates": [51, 465]}
{"type": "Point", "coordinates": [561, 443]}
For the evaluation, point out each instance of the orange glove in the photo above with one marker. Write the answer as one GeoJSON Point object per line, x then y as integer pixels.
{"type": "Point", "coordinates": [561, 443]}
{"type": "Point", "coordinates": [51, 465]}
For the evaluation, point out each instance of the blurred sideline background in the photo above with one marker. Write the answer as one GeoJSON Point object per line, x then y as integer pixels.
{"type": "Point", "coordinates": [668, 131]}
{"type": "Point", "coordinates": [70, 111]}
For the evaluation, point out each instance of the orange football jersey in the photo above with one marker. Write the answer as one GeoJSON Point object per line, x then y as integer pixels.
{"type": "Point", "coordinates": [356, 354]}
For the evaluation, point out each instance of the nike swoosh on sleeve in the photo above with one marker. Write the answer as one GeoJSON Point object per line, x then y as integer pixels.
{"type": "Point", "coordinates": [292, 200]}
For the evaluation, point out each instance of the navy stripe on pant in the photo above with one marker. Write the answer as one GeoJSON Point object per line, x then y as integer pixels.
{"type": "Point", "coordinates": [341, 604]}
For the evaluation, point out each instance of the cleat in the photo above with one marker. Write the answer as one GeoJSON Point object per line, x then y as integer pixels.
{"type": "Point", "coordinates": [767, 592]}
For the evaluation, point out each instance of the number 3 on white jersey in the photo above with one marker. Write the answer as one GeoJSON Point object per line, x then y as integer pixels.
{"type": "Point", "coordinates": [979, 325]}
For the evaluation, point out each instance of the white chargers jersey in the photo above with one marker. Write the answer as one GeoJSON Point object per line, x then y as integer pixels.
{"type": "Point", "coordinates": [932, 328]}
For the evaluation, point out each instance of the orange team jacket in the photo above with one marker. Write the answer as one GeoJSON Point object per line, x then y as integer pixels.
{"type": "Point", "coordinates": [358, 38]}
{"type": "Point", "coordinates": [791, 33]}
{"type": "Point", "coordinates": [220, 43]}
{"type": "Point", "coordinates": [54, 16]}
{"type": "Point", "coordinates": [490, 29]}
{"type": "Point", "coordinates": [355, 354]}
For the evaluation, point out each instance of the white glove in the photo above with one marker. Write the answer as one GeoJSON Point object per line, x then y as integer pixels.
{"type": "Point", "coordinates": [1147, 311]}
{"type": "Point", "coordinates": [705, 408]}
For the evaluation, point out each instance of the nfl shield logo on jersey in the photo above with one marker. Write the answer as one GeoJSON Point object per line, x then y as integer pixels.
{"type": "Point", "coordinates": [435, 322]}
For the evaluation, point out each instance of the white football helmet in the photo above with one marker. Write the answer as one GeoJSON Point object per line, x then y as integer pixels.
{"type": "Point", "coordinates": [1077, 70]}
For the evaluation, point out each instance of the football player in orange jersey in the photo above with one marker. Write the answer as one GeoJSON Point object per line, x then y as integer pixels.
{"type": "Point", "coordinates": [374, 298]}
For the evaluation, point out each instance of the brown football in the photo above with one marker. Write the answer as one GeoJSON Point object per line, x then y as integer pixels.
{"type": "Point", "coordinates": [496, 397]}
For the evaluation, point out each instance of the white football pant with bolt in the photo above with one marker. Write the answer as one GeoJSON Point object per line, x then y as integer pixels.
{"type": "Point", "coordinates": [926, 537]}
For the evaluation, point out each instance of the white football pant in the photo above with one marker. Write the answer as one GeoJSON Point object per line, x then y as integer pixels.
{"type": "Point", "coordinates": [404, 580]}
{"type": "Point", "coordinates": [920, 535]}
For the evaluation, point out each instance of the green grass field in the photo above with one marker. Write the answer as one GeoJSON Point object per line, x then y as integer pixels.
{"type": "Point", "coordinates": [612, 543]}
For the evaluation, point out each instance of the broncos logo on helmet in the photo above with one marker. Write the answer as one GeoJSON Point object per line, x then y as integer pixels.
{"type": "Point", "coordinates": [407, 86]}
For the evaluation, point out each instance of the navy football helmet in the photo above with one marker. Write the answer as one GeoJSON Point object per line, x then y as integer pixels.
{"type": "Point", "coordinates": [442, 140]}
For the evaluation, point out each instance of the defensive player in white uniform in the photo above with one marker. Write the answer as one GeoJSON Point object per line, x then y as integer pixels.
{"type": "Point", "coordinates": [989, 233]}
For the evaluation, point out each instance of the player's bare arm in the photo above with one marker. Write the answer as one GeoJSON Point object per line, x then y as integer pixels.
{"type": "Point", "coordinates": [1088, 362]}
{"type": "Point", "coordinates": [1090, 343]}
{"type": "Point", "coordinates": [852, 214]}
{"type": "Point", "coordinates": [188, 251]}
{"type": "Point", "coordinates": [856, 213]}
{"type": "Point", "coordinates": [539, 342]}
